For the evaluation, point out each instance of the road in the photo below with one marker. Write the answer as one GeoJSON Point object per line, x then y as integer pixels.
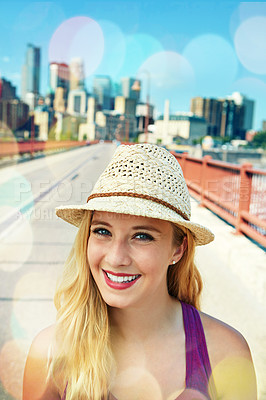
{"type": "Point", "coordinates": [34, 244]}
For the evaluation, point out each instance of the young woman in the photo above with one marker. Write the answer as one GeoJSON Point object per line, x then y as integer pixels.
{"type": "Point", "coordinates": [128, 325]}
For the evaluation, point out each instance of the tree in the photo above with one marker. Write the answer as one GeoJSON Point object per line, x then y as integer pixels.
{"type": "Point", "coordinates": [259, 140]}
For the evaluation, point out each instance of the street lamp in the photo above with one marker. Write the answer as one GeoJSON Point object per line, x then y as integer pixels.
{"type": "Point", "coordinates": [136, 87]}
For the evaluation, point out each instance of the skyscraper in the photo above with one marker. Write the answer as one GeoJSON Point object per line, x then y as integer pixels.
{"type": "Point", "coordinates": [77, 76]}
{"type": "Point", "coordinates": [230, 117]}
{"type": "Point", "coordinates": [102, 90]}
{"type": "Point", "coordinates": [30, 85]}
{"type": "Point", "coordinates": [59, 77]}
{"type": "Point", "coordinates": [248, 105]}
{"type": "Point", "coordinates": [127, 91]}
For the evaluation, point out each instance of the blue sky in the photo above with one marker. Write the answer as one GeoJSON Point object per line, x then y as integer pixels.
{"type": "Point", "coordinates": [184, 48]}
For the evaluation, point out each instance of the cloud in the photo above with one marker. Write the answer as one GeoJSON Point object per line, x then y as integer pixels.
{"type": "Point", "coordinates": [6, 59]}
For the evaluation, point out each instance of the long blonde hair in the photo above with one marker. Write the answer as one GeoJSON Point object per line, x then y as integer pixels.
{"type": "Point", "coordinates": [183, 279]}
{"type": "Point", "coordinates": [83, 356]}
{"type": "Point", "coordinates": [82, 352]}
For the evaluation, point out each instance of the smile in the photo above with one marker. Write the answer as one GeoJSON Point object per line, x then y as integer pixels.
{"type": "Point", "coordinates": [121, 279]}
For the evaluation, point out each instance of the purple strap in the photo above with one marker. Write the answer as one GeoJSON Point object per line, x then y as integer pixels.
{"type": "Point", "coordinates": [198, 367]}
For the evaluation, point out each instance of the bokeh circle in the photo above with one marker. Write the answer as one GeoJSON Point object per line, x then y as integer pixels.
{"type": "Point", "coordinates": [250, 44]}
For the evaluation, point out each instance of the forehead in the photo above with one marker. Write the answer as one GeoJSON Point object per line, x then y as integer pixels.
{"type": "Point", "coordinates": [127, 219]}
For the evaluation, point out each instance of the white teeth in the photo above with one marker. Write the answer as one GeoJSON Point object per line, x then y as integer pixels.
{"type": "Point", "coordinates": [121, 279]}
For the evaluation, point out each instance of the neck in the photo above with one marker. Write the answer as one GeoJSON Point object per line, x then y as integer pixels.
{"type": "Point", "coordinates": [149, 320]}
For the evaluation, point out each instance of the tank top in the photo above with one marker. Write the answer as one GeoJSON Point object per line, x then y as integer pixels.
{"type": "Point", "coordinates": [199, 385]}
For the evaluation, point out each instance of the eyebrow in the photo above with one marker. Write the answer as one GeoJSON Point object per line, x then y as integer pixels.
{"type": "Point", "coordinates": [136, 228]}
{"type": "Point", "coordinates": [95, 222]}
{"type": "Point", "coordinates": [146, 228]}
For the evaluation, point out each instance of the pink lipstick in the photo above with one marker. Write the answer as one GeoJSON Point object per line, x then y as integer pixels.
{"type": "Point", "coordinates": [118, 281]}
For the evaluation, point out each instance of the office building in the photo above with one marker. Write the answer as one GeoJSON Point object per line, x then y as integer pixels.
{"type": "Point", "coordinates": [77, 100]}
{"type": "Point", "coordinates": [111, 125]}
{"type": "Point", "coordinates": [7, 90]}
{"type": "Point", "coordinates": [181, 127]}
{"type": "Point", "coordinates": [144, 115]}
{"type": "Point", "coordinates": [102, 91]}
{"type": "Point", "coordinates": [248, 106]}
{"type": "Point", "coordinates": [127, 88]}
{"type": "Point", "coordinates": [43, 119]}
{"type": "Point", "coordinates": [230, 117]}
{"type": "Point", "coordinates": [76, 74]}
{"type": "Point", "coordinates": [14, 115]}
{"type": "Point", "coordinates": [59, 100]}
{"type": "Point", "coordinates": [59, 77]}
{"type": "Point", "coordinates": [31, 75]}
{"type": "Point", "coordinates": [125, 105]}
{"type": "Point", "coordinates": [87, 130]}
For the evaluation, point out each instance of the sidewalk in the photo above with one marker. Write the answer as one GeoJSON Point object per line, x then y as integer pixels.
{"type": "Point", "coordinates": [234, 276]}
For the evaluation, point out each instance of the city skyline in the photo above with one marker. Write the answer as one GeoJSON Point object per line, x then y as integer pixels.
{"type": "Point", "coordinates": [184, 50]}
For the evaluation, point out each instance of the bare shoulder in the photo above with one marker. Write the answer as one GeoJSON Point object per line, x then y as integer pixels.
{"type": "Point", "coordinates": [35, 382]}
{"type": "Point", "coordinates": [223, 339]}
{"type": "Point", "coordinates": [231, 361]}
{"type": "Point", "coordinates": [42, 343]}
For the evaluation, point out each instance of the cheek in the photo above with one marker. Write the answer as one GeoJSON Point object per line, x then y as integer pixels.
{"type": "Point", "coordinates": [93, 254]}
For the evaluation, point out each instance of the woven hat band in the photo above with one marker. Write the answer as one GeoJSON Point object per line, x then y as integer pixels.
{"type": "Point", "coordinates": [141, 196]}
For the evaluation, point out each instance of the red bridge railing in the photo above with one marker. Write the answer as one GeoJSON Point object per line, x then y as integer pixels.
{"type": "Point", "coordinates": [14, 148]}
{"type": "Point", "coordinates": [237, 193]}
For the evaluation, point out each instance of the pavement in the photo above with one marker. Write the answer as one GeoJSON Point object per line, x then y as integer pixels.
{"type": "Point", "coordinates": [233, 269]}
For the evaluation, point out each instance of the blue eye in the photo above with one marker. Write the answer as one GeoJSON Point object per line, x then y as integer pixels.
{"type": "Point", "coordinates": [101, 232]}
{"type": "Point", "coordinates": [144, 236]}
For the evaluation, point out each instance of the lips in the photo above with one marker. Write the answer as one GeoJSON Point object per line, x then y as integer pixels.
{"type": "Point", "coordinates": [120, 281]}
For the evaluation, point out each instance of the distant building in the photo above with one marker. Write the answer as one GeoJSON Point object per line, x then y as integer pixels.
{"type": "Point", "coordinates": [59, 100]}
{"type": "Point", "coordinates": [111, 125]}
{"type": "Point", "coordinates": [30, 85]}
{"type": "Point", "coordinates": [231, 116]}
{"type": "Point", "coordinates": [88, 129]}
{"type": "Point", "coordinates": [127, 88]}
{"type": "Point", "coordinates": [77, 100]}
{"type": "Point", "coordinates": [7, 90]}
{"type": "Point", "coordinates": [180, 127]}
{"type": "Point", "coordinates": [102, 91]}
{"type": "Point", "coordinates": [264, 126]}
{"type": "Point", "coordinates": [77, 76]}
{"type": "Point", "coordinates": [142, 111]}
{"type": "Point", "coordinates": [14, 115]}
{"type": "Point", "coordinates": [248, 112]}
{"type": "Point", "coordinates": [43, 119]}
{"type": "Point", "coordinates": [125, 105]}
{"type": "Point", "coordinates": [59, 76]}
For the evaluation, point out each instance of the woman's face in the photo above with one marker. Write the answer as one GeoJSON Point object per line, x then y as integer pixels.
{"type": "Point", "coordinates": [129, 257]}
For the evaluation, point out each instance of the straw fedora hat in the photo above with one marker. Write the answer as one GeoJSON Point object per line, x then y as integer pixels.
{"type": "Point", "coordinates": [145, 180]}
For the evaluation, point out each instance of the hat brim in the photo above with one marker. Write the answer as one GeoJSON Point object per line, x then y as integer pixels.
{"type": "Point", "coordinates": [134, 206]}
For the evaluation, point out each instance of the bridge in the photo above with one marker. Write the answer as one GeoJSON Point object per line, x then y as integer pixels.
{"type": "Point", "coordinates": [34, 244]}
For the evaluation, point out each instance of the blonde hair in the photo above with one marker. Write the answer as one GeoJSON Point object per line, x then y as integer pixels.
{"type": "Point", "coordinates": [183, 279]}
{"type": "Point", "coordinates": [82, 342]}
{"type": "Point", "coordinates": [83, 354]}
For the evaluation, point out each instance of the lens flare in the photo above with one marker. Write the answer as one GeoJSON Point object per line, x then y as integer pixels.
{"type": "Point", "coordinates": [214, 62]}
{"type": "Point", "coordinates": [139, 47]}
{"type": "Point", "coordinates": [12, 361]}
{"type": "Point", "coordinates": [170, 76]}
{"type": "Point", "coordinates": [16, 245]}
{"type": "Point", "coordinates": [15, 191]}
{"type": "Point", "coordinates": [114, 49]}
{"type": "Point", "coordinates": [33, 308]}
{"type": "Point", "coordinates": [78, 37]}
{"type": "Point", "coordinates": [250, 44]}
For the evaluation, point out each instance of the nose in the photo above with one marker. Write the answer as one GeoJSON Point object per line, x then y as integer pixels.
{"type": "Point", "coordinates": [118, 254]}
